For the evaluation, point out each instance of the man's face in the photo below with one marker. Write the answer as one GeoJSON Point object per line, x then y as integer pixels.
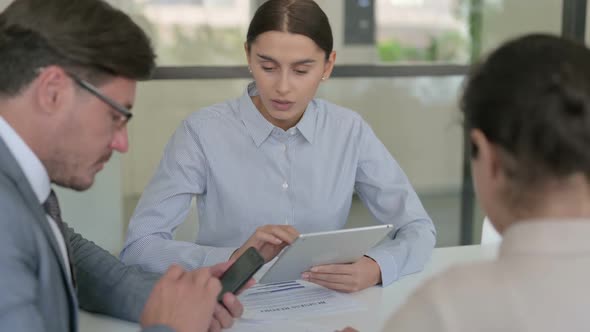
{"type": "Point", "coordinates": [90, 133]}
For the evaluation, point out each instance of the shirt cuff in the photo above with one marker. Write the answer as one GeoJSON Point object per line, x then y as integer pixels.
{"type": "Point", "coordinates": [218, 255]}
{"type": "Point", "coordinates": [387, 264]}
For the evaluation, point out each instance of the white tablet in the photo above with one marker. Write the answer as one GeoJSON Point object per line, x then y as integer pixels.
{"type": "Point", "coordinates": [333, 247]}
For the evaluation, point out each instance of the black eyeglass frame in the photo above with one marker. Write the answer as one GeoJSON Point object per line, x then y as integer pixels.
{"type": "Point", "coordinates": [92, 89]}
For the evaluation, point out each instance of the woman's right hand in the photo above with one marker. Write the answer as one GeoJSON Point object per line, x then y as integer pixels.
{"type": "Point", "coordinates": [269, 240]}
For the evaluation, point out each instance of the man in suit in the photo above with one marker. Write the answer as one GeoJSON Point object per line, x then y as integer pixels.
{"type": "Point", "coordinates": [68, 72]}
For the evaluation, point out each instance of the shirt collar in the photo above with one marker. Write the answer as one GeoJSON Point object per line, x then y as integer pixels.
{"type": "Point", "coordinates": [308, 121]}
{"type": "Point", "coordinates": [259, 128]}
{"type": "Point", "coordinates": [31, 166]}
{"type": "Point", "coordinates": [543, 237]}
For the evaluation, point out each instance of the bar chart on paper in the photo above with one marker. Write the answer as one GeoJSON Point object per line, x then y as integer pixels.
{"type": "Point", "coordinates": [294, 299]}
{"type": "Point", "coordinates": [284, 305]}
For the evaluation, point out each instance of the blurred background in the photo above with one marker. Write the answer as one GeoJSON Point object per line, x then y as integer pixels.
{"type": "Point", "coordinates": [400, 64]}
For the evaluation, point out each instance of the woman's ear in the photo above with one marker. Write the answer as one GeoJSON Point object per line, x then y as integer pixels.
{"type": "Point", "coordinates": [329, 65]}
{"type": "Point", "coordinates": [247, 51]}
{"type": "Point", "coordinates": [485, 153]}
{"type": "Point", "coordinates": [477, 141]}
{"type": "Point", "coordinates": [474, 150]}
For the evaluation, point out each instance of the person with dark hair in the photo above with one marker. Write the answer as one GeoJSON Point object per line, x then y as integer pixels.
{"type": "Point", "coordinates": [67, 86]}
{"type": "Point", "coordinates": [277, 162]}
{"type": "Point", "coordinates": [527, 112]}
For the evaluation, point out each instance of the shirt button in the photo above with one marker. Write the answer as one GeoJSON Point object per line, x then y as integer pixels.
{"type": "Point", "coordinates": [283, 147]}
{"type": "Point", "coordinates": [285, 185]}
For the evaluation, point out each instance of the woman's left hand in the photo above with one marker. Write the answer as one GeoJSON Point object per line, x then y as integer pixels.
{"type": "Point", "coordinates": [346, 278]}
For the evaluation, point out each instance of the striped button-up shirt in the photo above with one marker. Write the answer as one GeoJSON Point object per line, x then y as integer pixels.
{"type": "Point", "coordinates": [245, 173]}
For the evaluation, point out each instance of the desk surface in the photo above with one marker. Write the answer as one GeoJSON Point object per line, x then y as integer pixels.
{"type": "Point", "coordinates": [381, 302]}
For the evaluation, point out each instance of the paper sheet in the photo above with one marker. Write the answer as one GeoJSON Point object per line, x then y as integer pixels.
{"type": "Point", "coordinates": [277, 325]}
{"type": "Point", "coordinates": [293, 300]}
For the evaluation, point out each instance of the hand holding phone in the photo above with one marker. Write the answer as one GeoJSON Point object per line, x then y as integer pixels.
{"type": "Point", "coordinates": [240, 272]}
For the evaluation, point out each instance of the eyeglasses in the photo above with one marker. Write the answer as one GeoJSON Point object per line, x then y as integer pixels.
{"type": "Point", "coordinates": [92, 89]}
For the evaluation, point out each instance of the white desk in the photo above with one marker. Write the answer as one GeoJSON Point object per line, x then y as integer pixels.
{"type": "Point", "coordinates": [382, 302]}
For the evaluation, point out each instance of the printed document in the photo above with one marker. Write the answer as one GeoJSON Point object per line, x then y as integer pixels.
{"type": "Point", "coordinates": [294, 299]}
{"type": "Point", "coordinates": [242, 325]}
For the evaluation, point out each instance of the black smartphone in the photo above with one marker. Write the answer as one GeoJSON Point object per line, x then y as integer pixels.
{"type": "Point", "coordinates": [240, 272]}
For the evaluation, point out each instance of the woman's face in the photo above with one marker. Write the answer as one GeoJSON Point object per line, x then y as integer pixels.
{"type": "Point", "coordinates": [287, 68]}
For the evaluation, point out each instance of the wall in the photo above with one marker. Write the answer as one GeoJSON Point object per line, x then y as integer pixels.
{"type": "Point", "coordinates": [416, 118]}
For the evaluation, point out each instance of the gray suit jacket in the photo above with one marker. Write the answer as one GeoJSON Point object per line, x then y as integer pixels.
{"type": "Point", "coordinates": [35, 294]}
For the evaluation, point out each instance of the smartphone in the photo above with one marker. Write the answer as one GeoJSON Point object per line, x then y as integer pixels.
{"type": "Point", "coordinates": [240, 272]}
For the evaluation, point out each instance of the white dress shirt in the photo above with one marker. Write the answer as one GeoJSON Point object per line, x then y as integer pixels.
{"type": "Point", "coordinates": [37, 176]}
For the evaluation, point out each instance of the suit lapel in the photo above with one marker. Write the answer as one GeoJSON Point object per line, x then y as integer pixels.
{"type": "Point", "coordinates": [10, 167]}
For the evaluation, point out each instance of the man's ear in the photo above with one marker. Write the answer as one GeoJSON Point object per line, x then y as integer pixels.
{"type": "Point", "coordinates": [53, 89]}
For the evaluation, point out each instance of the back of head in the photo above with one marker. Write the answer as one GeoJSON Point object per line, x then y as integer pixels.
{"type": "Point", "coordinates": [531, 98]}
{"type": "Point", "coordinates": [86, 36]}
{"type": "Point", "coordinates": [303, 17]}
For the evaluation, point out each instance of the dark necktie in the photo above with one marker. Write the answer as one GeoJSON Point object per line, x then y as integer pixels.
{"type": "Point", "coordinates": [51, 207]}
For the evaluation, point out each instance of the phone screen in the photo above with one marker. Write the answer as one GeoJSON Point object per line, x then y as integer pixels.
{"type": "Point", "coordinates": [240, 272]}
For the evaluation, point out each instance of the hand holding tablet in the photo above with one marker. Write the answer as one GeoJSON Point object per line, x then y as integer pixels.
{"type": "Point", "coordinates": [348, 278]}
{"type": "Point", "coordinates": [330, 248]}
{"type": "Point", "coordinates": [269, 240]}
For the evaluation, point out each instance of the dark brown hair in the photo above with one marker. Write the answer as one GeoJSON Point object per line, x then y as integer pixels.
{"type": "Point", "coordinates": [86, 36]}
{"type": "Point", "coordinates": [303, 17]}
{"type": "Point", "coordinates": [531, 98]}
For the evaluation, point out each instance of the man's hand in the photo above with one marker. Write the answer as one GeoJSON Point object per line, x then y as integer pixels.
{"type": "Point", "coordinates": [224, 315]}
{"type": "Point", "coordinates": [347, 278]}
{"type": "Point", "coordinates": [269, 240]}
{"type": "Point", "coordinates": [183, 301]}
